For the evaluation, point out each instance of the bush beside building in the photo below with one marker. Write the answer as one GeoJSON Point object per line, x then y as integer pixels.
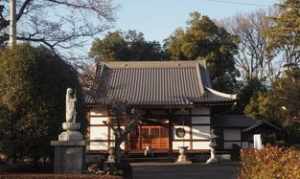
{"type": "Point", "coordinates": [271, 162]}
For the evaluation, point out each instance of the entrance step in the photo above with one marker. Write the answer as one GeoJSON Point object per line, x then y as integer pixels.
{"type": "Point", "coordinates": [154, 157]}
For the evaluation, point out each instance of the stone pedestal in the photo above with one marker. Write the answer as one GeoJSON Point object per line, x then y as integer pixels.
{"type": "Point", "coordinates": [68, 156]}
{"type": "Point", "coordinates": [69, 150]}
{"type": "Point", "coordinates": [182, 158]}
{"type": "Point", "coordinates": [212, 158]}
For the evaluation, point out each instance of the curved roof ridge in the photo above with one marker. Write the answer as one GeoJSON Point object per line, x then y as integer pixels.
{"type": "Point", "coordinates": [152, 64]}
{"type": "Point", "coordinates": [221, 94]}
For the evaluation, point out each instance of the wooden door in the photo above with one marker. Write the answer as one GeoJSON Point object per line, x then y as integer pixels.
{"type": "Point", "coordinates": [156, 137]}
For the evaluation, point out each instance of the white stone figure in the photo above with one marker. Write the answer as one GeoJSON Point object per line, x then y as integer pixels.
{"type": "Point", "coordinates": [71, 127]}
{"type": "Point", "coordinates": [71, 106]}
{"type": "Point", "coordinates": [147, 151]}
{"type": "Point", "coordinates": [257, 141]}
{"type": "Point", "coordinates": [182, 158]}
{"type": "Point", "coordinates": [212, 158]}
{"type": "Point", "coordinates": [212, 145]}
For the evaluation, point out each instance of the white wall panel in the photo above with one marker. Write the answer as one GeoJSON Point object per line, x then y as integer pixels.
{"type": "Point", "coordinates": [98, 113]}
{"type": "Point", "coordinates": [200, 132]}
{"type": "Point", "coordinates": [98, 120]}
{"type": "Point", "coordinates": [187, 132]}
{"type": "Point", "coordinates": [200, 145]}
{"type": "Point", "coordinates": [98, 133]}
{"type": "Point", "coordinates": [177, 144]}
{"type": "Point", "coordinates": [200, 120]}
{"type": "Point", "coordinates": [232, 134]}
{"type": "Point", "coordinates": [98, 146]}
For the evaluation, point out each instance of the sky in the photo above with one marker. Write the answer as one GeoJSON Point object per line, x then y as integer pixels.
{"type": "Point", "coordinates": [157, 19]}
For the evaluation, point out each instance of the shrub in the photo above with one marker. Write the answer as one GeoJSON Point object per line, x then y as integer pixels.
{"type": "Point", "coordinates": [271, 162]}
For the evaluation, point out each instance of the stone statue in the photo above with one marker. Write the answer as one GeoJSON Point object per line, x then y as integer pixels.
{"type": "Point", "coordinates": [212, 145]}
{"type": "Point", "coordinates": [72, 128]}
{"type": "Point", "coordinates": [71, 106]}
{"type": "Point", "coordinates": [70, 147]}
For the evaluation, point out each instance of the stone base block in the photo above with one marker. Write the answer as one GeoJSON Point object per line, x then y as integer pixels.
{"type": "Point", "coordinates": [70, 136]}
{"type": "Point", "coordinates": [183, 159]}
{"type": "Point", "coordinates": [212, 160]}
{"type": "Point", "coordinates": [69, 156]}
{"type": "Point", "coordinates": [71, 126]}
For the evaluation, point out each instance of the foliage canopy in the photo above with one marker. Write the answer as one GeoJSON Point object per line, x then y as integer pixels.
{"type": "Point", "coordinates": [32, 97]}
{"type": "Point", "coordinates": [204, 40]}
{"type": "Point", "coordinates": [129, 46]}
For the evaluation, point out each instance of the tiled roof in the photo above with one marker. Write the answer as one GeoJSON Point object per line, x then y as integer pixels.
{"type": "Point", "coordinates": [154, 83]}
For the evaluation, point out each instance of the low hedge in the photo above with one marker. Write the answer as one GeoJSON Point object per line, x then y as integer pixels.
{"type": "Point", "coordinates": [272, 162]}
{"type": "Point", "coordinates": [54, 176]}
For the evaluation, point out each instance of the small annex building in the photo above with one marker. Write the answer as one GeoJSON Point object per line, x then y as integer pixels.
{"type": "Point", "coordinates": [175, 95]}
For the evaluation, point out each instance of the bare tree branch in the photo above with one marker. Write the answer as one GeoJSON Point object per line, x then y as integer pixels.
{"type": "Point", "coordinates": [59, 24]}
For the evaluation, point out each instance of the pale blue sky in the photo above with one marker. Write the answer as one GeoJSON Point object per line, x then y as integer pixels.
{"type": "Point", "coordinates": [157, 19]}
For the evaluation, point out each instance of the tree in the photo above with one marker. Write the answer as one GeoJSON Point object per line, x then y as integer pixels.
{"type": "Point", "coordinates": [204, 40]}
{"type": "Point", "coordinates": [129, 46]}
{"type": "Point", "coordinates": [248, 89]}
{"type": "Point", "coordinates": [284, 35]}
{"type": "Point", "coordinates": [253, 60]}
{"type": "Point", "coordinates": [280, 104]}
{"type": "Point", "coordinates": [57, 24]}
{"type": "Point", "coordinates": [264, 106]}
{"type": "Point", "coordinates": [122, 113]}
{"type": "Point", "coordinates": [287, 92]}
{"type": "Point", "coordinates": [33, 82]}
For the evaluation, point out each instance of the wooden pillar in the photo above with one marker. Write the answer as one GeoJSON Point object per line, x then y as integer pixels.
{"type": "Point", "coordinates": [140, 137]}
{"type": "Point", "coordinates": [170, 116]}
{"type": "Point", "coordinates": [191, 127]}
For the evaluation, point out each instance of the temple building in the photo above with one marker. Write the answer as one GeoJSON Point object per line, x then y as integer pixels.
{"type": "Point", "coordinates": [177, 99]}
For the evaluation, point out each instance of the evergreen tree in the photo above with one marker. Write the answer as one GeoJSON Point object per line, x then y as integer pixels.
{"type": "Point", "coordinates": [204, 40]}
{"type": "Point", "coordinates": [33, 82]}
{"type": "Point", "coordinates": [130, 46]}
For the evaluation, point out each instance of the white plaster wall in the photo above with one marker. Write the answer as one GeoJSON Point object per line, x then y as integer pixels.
{"type": "Point", "coordinates": [201, 111]}
{"type": "Point", "coordinates": [98, 113]}
{"type": "Point", "coordinates": [201, 120]}
{"type": "Point", "coordinates": [98, 146]}
{"type": "Point", "coordinates": [200, 132]}
{"type": "Point", "coordinates": [200, 145]}
{"type": "Point", "coordinates": [98, 120]}
{"type": "Point", "coordinates": [232, 134]}
{"type": "Point", "coordinates": [177, 144]}
{"type": "Point", "coordinates": [98, 133]}
{"type": "Point", "coordinates": [187, 132]}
